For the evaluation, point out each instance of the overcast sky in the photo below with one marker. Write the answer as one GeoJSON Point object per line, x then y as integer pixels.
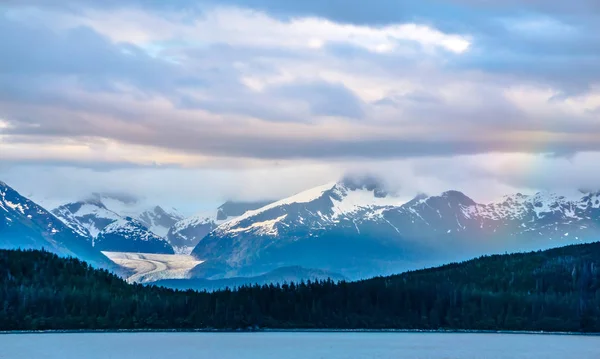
{"type": "Point", "coordinates": [189, 103]}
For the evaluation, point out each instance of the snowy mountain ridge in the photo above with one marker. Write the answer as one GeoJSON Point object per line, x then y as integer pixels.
{"type": "Point", "coordinates": [344, 200]}
{"type": "Point", "coordinates": [156, 218]}
{"type": "Point", "coordinates": [26, 225]}
{"type": "Point", "coordinates": [185, 234]}
{"type": "Point", "coordinates": [350, 201]}
{"type": "Point", "coordinates": [362, 220]}
{"type": "Point", "coordinates": [109, 230]}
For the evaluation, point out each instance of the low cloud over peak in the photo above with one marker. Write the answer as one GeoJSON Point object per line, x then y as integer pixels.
{"type": "Point", "coordinates": [222, 85]}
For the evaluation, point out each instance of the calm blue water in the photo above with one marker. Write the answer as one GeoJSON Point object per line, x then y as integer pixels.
{"type": "Point", "coordinates": [296, 345]}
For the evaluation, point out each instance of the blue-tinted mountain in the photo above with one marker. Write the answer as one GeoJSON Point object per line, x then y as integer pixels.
{"type": "Point", "coordinates": [129, 235]}
{"type": "Point", "coordinates": [186, 233]}
{"type": "Point", "coordinates": [359, 230]}
{"type": "Point", "coordinates": [109, 230]}
{"type": "Point", "coordinates": [332, 227]}
{"type": "Point", "coordinates": [26, 225]}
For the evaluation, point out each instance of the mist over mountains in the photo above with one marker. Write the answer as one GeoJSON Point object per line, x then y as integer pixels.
{"type": "Point", "coordinates": [355, 228]}
{"type": "Point", "coordinates": [360, 230]}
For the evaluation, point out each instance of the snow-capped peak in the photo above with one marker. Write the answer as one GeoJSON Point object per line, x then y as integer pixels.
{"type": "Point", "coordinates": [131, 228]}
{"type": "Point", "coordinates": [591, 200]}
{"type": "Point", "coordinates": [88, 218]}
{"type": "Point", "coordinates": [186, 233]}
{"type": "Point", "coordinates": [320, 206]}
{"type": "Point", "coordinates": [302, 197]}
{"type": "Point", "coordinates": [351, 198]}
{"type": "Point", "coordinates": [92, 215]}
{"type": "Point", "coordinates": [199, 218]}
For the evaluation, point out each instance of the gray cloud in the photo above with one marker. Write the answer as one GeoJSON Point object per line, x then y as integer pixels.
{"type": "Point", "coordinates": [264, 120]}
{"type": "Point", "coordinates": [81, 51]}
{"type": "Point", "coordinates": [78, 84]}
{"type": "Point", "coordinates": [323, 98]}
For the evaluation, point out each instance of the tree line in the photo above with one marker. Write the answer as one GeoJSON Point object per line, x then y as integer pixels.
{"type": "Point", "coordinates": [554, 290]}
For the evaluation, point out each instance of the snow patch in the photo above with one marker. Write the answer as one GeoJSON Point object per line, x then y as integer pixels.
{"type": "Point", "coordinates": [354, 200]}
{"type": "Point", "coordinates": [262, 228]}
{"type": "Point", "coordinates": [302, 197]}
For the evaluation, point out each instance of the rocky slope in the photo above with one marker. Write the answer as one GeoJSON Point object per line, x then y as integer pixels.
{"type": "Point", "coordinates": [358, 230]}
{"type": "Point", "coordinates": [186, 233]}
{"type": "Point", "coordinates": [110, 230]}
{"type": "Point", "coordinates": [129, 235]}
{"type": "Point", "coordinates": [26, 225]}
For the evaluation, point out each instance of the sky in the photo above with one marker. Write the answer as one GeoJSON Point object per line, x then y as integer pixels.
{"type": "Point", "coordinates": [190, 103]}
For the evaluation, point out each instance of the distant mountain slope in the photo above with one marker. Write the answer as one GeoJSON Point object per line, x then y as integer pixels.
{"type": "Point", "coordinates": [335, 227]}
{"type": "Point", "coordinates": [87, 217]}
{"type": "Point", "coordinates": [24, 224]}
{"type": "Point", "coordinates": [359, 230]}
{"type": "Point", "coordinates": [232, 209]}
{"type": "Point", "coordinates": [158, 220]}
{"type": "Point", "coordinates": [555, 290]}
{"type": "Point", "coordinates": [186, 233]}
{"type": "Point", "coordinates": [129, 235]}
{"type": "Point", "coordinates": [279, 275]}
{"type": "Point", "coordinates": [110, 230]}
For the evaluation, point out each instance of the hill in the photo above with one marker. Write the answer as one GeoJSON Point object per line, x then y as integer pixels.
{"type": "Point", "coordinates": [554, 290]}
{"type": "Point", "coordinates": [279, 275]}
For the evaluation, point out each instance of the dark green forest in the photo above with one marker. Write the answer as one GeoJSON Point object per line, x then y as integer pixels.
{"type": "Point", "coordinates": [554, 290]}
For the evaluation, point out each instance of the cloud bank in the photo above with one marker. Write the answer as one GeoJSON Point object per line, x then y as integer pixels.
{"type": "Point", "coordinates": [212, 87]}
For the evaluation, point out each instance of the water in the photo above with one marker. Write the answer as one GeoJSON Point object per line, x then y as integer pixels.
{"type": "Point", "coordinates": [296, 345]}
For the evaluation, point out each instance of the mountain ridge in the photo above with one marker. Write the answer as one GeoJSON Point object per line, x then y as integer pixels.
{"type": "Point", "coordinates": [366, 223]}
{"type": "Point", "coordinates": [112, 231]}
{"type": "Point", "coordinates": [25, 224]}
{"type": "Point", "coordinates": [185, 234]}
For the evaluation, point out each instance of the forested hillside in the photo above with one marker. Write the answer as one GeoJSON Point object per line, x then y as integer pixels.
{"type": "Point", "coordinates": [555, 290]}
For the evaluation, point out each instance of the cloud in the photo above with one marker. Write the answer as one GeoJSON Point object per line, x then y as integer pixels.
{"type": "Point", "coordinates": [485, 178]}
{"type": "Point", "coordinates": [323, 98]}
{"type": "Point", "coordinates": [149, 85]}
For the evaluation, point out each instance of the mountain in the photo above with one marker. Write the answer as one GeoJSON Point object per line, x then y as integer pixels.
{"type": "Point", "coordinates": [185, 234]}
{"type": "Point", "coordinates": [117, 231]}
{"type": "Point", "coordinates": [336, 227]}
{"type": "Point", "coordinates": [26, 225]}
{"type": "Point", "coordinates": [158, 220]}
{"type": "Point", "coordinates": [554, 290]}
{"type": "Point", "coordinates": [155, 218]}
{"type": "Point", "coordinates": [359, 230]}
{"type": "Point", "coordinates": [233, 209]}
{"type": "Point", "coordinates": [280, 275]}
{"type": "Point", "coordinates": [88, 218]}
{"type": "Point", "coordinates": [129, 235]}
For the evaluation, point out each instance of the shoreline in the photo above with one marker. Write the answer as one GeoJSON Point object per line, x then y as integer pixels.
{"type": "Point", "coordinates": [266, 330]}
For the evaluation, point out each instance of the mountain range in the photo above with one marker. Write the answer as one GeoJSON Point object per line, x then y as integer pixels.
{"type": "Point", "coordinates": [358, 229]}
{"type": "Point", "coordinates": [185, 234]}
{"type": "Point", "coordinates": [26, 225]}
{"type": "Point", "coordinates": [127, 231]}
{"type": "Point", "coordinates": [354, 227]}
{"type": "Point", "coordinates": [121, 223]}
